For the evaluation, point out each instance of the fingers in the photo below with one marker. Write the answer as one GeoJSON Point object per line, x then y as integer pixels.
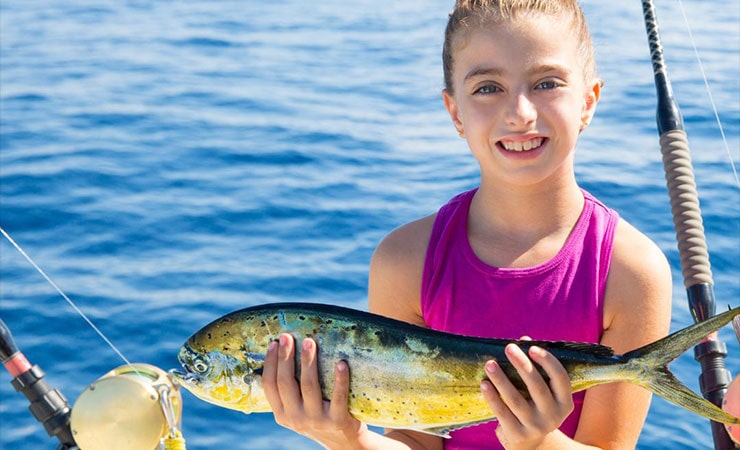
{"type": "Point", "coordinates": [538, 388]}
{"type": "Point", "coordinates": [550, 397]}
{"type": "Point", "coordinates": [310, 387]}
{"type": "Point", "coordinates": [559, 383]}
{"type": "Point", "coordinates": [338, 407]}
{"type": "Point", "coordinates": [286, 382]}
{"type": "Point", "coordinates": [290, 398]}
{"type": "Point", "coordinates": [278, 378]}
{"type": "Point", "coordinates": [269, 378]}
{"type": "Point", "coordinates": [549, 403]}
{"type": "Point", "coordinates": [283, 392]}
{"type": "Point", "coordinates": [497, 391]}
{"type": "Point", "coordinates": [299, 404]}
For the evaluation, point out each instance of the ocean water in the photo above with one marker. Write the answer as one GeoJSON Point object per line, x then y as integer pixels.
{"type": "Point", "coordinates": [168, 162]}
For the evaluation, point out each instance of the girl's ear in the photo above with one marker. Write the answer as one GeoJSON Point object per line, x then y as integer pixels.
{"type": "Point", "coordinates": [454, 112]}
{"type": "Point", "coordinates": [591, 99]}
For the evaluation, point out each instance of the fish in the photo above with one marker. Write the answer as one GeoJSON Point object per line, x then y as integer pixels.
{"type": "Point", "coordinates": [405, 376]}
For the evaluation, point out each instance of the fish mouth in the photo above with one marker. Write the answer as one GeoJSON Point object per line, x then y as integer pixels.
{"type": "Point", "coordinates": [183, 377]}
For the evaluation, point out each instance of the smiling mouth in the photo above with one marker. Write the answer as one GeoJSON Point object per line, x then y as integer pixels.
{"type": "Point", "coordinates": [522, 146]}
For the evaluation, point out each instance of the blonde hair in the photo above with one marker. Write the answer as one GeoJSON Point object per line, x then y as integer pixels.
{"type": "Point", "coordinates": [471, 14]}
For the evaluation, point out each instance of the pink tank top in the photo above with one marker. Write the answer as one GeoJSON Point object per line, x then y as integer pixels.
{"type": "Point", "coordinates": [561, 299]}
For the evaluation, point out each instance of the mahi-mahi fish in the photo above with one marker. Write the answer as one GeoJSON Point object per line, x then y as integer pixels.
{"type": "Point", "coordinates": [409, 377]}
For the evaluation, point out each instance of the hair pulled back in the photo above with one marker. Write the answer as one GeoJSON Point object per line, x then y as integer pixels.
{"type": "Point", "coordinates": [469, 15]}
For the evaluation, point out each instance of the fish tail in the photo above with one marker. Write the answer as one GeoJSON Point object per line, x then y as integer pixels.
{"type": "Point", "coordinates": [651, 361]}
{"type": "Point", "coordinates": [663, 383]}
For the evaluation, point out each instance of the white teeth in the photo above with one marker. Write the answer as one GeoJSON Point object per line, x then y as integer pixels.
{"type": "Point", "coordinates": [522, 146]}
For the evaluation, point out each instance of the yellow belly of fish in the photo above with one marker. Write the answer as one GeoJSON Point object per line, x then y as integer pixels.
{"type": "Point", "coordinates": [436, 398]}
{"type": "Point", "coordinates": [419, 410]}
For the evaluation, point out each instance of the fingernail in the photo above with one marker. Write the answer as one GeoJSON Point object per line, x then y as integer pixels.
{"type": "Point", "coordinates": [272, 346]}
{"type": "Point", "coordinates": [307, 344]}
{"type": "Point", "coordinates": [491, 366]}
{"type": "Point", "coordinates": [283, 340]}
{"type": "Point", "coordinates": [513, 349]}
{"type": "Point", "coordinates": [341, 366]}
{"type": "Point", "coordinates": [485, 386]}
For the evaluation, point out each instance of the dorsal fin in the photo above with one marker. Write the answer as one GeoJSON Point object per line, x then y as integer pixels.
{"type": "Point", "coordinates": [596, 350]}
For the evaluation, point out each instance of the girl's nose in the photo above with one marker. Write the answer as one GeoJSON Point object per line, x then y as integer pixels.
{"type": "Point", "coordinates": [521, 111]}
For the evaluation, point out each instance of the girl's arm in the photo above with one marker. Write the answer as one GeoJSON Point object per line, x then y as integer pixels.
{"type": "Point", "coordinates": [394, 290]}
{"type": "Point", "coordinates": [637, 311]}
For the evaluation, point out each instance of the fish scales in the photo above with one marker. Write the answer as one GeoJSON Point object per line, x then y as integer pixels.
{"type": "Point", "coordinates": [425, 382]}
{"type": "Point", "coordinates": [402, 375]}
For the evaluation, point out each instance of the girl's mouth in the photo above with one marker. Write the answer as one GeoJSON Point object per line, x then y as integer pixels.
{"type": "Point", "coordinates": [522, 146]}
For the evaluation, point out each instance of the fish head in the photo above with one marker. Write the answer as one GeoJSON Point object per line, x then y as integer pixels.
{"type": "Point", "coordinates": [227, 374]}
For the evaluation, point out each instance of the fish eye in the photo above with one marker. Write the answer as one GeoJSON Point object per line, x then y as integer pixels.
{"type": "Point", "coordinates": [200, 365]}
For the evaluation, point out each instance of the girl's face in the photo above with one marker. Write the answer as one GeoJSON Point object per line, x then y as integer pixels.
{"type": "Point", "coordinates": [520, 98]}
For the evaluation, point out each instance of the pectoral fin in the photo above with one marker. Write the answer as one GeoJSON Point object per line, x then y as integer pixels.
{"type": "Point", "coordinates": [444, 431]}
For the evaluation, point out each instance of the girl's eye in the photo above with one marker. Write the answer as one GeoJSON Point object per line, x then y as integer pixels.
{"type": "Point", "coordinates": [487, 89]}
{"type": "Point", "coordinates": [548, 84]}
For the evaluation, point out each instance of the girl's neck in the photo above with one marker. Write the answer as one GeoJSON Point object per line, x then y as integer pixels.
{"type": "Point", "coordinates": [525, 214]}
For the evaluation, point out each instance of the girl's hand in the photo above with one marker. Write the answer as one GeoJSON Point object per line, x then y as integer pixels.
{"type": "Point", "coordinates": [300, 407]}
{"type": "Point", "coordinates": [526, 423]}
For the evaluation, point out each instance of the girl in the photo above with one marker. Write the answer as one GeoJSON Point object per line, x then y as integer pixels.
{"type": "Point", "coordinates": [527, 253]}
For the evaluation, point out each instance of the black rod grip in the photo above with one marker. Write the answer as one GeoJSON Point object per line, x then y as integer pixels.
{"type": "Point", "coordinates": [7, 344]}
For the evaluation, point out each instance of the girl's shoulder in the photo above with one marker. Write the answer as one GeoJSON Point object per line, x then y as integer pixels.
{"type": "Point", "coordinates": [639, 285]}
{"type": "Point", "coordinates": [635, 254]}
{"type": "Point", "coordinates": [396, 268]}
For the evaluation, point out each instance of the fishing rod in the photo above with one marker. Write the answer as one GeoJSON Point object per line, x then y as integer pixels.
{"type": "Point", "coordinates": [687, 220]}
{"type": "Point", "coordinates": [133, 407]}
{"type": "Point", "coordinates": [48, 405]}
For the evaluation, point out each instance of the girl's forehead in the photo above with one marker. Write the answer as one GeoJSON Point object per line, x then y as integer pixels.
{"type": "Point", "coordinates": [560, 24]}
{"type": "Point", "coordinates": [540, 34]}
{"type": "Point", "coordinates": [526, 39]}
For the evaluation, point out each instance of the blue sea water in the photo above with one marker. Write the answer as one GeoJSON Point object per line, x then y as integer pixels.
{"type": "Point", "coordinates": [168, 162]}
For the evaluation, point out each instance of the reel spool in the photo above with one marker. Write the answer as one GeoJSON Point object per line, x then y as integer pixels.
{"type": "Point", "coordinates": [133, 407]}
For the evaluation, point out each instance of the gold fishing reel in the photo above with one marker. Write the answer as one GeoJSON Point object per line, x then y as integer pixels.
{"type": "Point", "coordinates": [133, 407]}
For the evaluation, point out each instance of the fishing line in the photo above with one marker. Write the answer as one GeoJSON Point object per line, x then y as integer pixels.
{"type": "Point", "coordinates": [709, 92]}
{"type": "Point", "coordinates": [71, 303]}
